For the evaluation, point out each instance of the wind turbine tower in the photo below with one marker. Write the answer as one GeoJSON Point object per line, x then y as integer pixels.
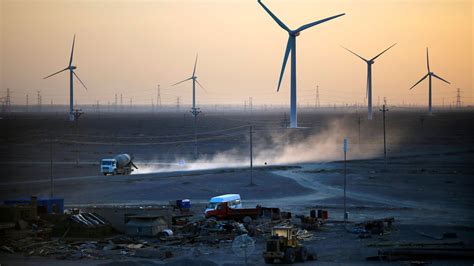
{"type": "Point", "coordinates": [195, 111]}
{"type": "Point", "coordinates": [291, 48]}
{"type": "Point", "coordinates": [370, 62]}
{"type": "Point", "coordinates": [430, 74]}
{"type": "Point", "coordinates": [72, 74]}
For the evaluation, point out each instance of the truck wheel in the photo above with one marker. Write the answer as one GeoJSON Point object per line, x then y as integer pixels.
{"type": "Point", "coordinates": [290, 256]}
{"type": "Point", "coordinates": [105, 174]}
{"type": "Point", "coordinates": [268, 260]}
{"type": "Point", "coordinates": [302, 254]}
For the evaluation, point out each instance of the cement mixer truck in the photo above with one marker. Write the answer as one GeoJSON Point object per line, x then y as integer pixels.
{"type": "Point", "coordinates": [121, 164]}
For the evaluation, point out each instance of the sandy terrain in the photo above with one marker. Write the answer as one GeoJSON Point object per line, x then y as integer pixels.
{"type": "Point", "coordinates": [426, 183]}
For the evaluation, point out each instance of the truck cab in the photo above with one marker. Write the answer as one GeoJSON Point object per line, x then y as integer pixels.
{"type": "Point", "coordinates": [229, 200]}
{"type": "Point", "coordinates": [108, 166]}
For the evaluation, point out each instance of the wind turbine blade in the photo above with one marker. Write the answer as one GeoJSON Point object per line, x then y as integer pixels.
{"type": "Point", "coordinates": [195, 63]}
{"type": "Point", "coordinates": [72, 50]}
{"type": "Point", "coordinates": [309, 25]}
{"type": "Point", "coordinates": [79, 79]}
{"type": "Point", "coordinates": [285, 58]}
{"type": "Point", "coordinates": [355, 54]}
{"type": "Point", "coordinates": [419, 81]}
{"type": "Point", "coordinates": [383, 51]}
{"type": "Point", "coordinates": [56, 73]}
{"type": "Point", "coordinates": [200, 85]}
{"type": "Point", "coordinates": [181, 81]}
{"type": "Point", "coordinates": [427, 60]}
{"type": "Point", "coordinates": [274, 17]}
{"type": "Point", "coordinates": [441, 78]}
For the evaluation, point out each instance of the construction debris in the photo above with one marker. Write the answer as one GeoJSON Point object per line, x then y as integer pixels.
{"type": "Point", "coordinates": [398, 254]}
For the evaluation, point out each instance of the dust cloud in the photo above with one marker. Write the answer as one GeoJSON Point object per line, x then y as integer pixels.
{"type": "Point", "coordinates": [281, 147]}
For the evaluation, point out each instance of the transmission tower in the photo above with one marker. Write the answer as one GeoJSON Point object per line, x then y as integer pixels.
{"type": "Point", "coordinates": [458, 98]}
{"type": "Point", "coordinates": [8, 101]}
{"type": "Point", "coordinates": [317, 104]}
{"type": "Point", "coordinates": [158, 97]}
{"type": "Point", "coordinates": [39, 100]}
{"type": "Point", "coordinates": [115, 105]}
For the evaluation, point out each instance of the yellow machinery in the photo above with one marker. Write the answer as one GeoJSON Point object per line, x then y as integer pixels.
{"type": "Point", "coordinates": [282, 245]}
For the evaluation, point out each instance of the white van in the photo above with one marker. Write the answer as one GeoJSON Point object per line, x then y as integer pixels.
{"type": "Point", "coordinates": [233, 201]}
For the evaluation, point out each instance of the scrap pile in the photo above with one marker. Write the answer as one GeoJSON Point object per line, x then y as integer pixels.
{"type": "Point", "coordinates": [373, 227]}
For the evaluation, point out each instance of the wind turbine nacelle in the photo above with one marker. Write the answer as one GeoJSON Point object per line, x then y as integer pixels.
{"type": "Point", "coordinates": [72, 67]}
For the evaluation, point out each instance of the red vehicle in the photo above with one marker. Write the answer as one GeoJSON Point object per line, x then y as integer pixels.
{"type": "Point", "coordinates": [223, 212]}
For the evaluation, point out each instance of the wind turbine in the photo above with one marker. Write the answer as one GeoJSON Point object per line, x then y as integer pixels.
{"type": "Point", "coordinates": [71, 68]}
{"type": "Point", "coordinates": [194, 79]}
{"type": "Point", "coordinates": [369, 62]}
{"type": "Point", "coordinates": [291, 48]}
{"type": "Point", "coordinates": [195, 111]}
{"type": "Point", "coordinates": [430, 74]}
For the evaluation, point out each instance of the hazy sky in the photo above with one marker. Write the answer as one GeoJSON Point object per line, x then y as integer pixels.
{"type": "Point", "coordinates": [128, 47]}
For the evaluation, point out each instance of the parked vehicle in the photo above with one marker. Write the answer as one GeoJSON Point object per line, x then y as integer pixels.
{"type": "Point", "coordinates": [232, 200]}
{"type": "Point", "coordinates": [121, 164]}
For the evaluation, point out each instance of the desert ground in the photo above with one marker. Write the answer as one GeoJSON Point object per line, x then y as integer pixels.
{"type": "Point", "coordinates": [425, 182]}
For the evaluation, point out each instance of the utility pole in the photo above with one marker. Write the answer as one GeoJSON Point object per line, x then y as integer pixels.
{"type": "Point", "coordinates": [51, 165]}
{"type": "Point", "coordinates": [115, 105]}
{"type": "Point", "coordinates": [458, 98]}
{"type": "Point", "coordinates": [383, 110]}
{"type": "Point", "coordinates": [245, 106]}
{"type": "Point", "coordinates": [251, 156]}
{"type": "Point", "coordinates": [152, 106]}
{"type": "Point", "coordinates": [131, 101]}
{"type": "Point", "coordinates": [177, 103]}
{"type": "Point", "coordinates": [27, 107]}
{"type": "Point", "coordinates": [346, 147]}
{"type": "Point", "coordinates": [121, 102]}
{"type": "Point", "coordinates": [158, 97]}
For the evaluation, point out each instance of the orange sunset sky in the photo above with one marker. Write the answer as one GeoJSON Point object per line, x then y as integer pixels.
{"type": "Point", "coordinates": [128, 47]}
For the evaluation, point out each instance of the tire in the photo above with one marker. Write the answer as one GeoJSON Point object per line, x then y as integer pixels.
{"type": "Point", "coordinates": [268, 260]}
{"type": "Point", "coordinates": [302, 254]}
{"type": "Point", "coordinates": [105, 174]}
{"type": "Point", "coordinates": [290, 256]}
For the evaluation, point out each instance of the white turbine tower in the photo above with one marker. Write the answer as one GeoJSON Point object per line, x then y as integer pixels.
{"type": "Point", "coordinates": [369, 62]}
{"type": "Point", "coordinates": [71, 68]}
{"type": "Point", "coordinates": [194, 79]}
{"type": "Point", "coordinates": [291, 48]}
{"type": "Point", "coordinates": [430, 74]}
{"type": "Point", "coordinates": [195, 111]}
